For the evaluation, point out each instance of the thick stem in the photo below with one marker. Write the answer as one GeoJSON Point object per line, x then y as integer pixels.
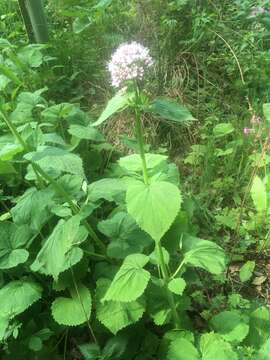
{"type": "Point", "coordinates": [58, 189]}
{"type": "Point", "coordinates": [166, 279]}
{"type": "Point", "coordinates": [139, 135]}
{"type": "Point", "coordinates": [164, 270]}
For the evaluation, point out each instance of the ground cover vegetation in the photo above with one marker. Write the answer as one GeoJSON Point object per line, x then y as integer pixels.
{"type": "Point", "coordinates": [134, 179]}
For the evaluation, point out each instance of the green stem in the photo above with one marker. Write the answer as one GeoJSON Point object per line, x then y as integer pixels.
{"type": "Point", "coordinates": [58, 189]}
{"type": "Point", "coordinates": [166, 279]}
{"type": "Point", "coordinates": [164, 270]}
{"type": "Point", "coordinates": [139, 135]}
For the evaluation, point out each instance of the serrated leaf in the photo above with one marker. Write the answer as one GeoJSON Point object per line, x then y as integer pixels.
{"type": "Point", "coordinates": [206, 255]}
{"type": "Point", "coordinates": [177, 286]}
{"type": "Point", "coordinates": [60, 251]}
{"type": "Point", "coordinates": [32, 208]}
{"type": "Point", "coordinates": [133, 163]}
{"type": "Point", "coordinates": [154, 206]}
{"type": "Point", "coordinates": [246, 271]}
{"type": "Point", "coordinates": [259, 194]}
{"type": "Point", "coordinates": [125, 236]}
{"type": "Point", "coordinates": [117, 103]}
{"type": "Point", "coordinates": [213, 347]}
{"type": "Point", "coordinates": [182, 349]}
{"type": "Point", "coordinates": [130, 281]}
{"type": "Point", "coordinates": [17, 296]}
{"type": "Point", "coordinates": [115, 315]}
{"type": "Point", "coordinates": [230, 325]}
{"type": "Point", "coordinates": [58, 160]}
{"type": "Point", "coordinates": [86, 132]}
{"type": "Point", "coordinates": [12, 239]}
{"type": "Point", "coordinates": [75, 310]}
{"type": "Point", "coordinates": [170, 109]}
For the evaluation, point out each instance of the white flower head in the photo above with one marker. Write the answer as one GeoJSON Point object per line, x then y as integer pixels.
{"type": "Point", "coordinates": [129, 62]}
{"type": "Point", "coordinates": [255, 11]}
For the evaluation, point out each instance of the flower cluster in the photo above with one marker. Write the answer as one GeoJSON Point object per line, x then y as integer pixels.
{"type": "Point", "coordinates": [255, 11]}
{"type": "Point", "coordinates": [129, 63]}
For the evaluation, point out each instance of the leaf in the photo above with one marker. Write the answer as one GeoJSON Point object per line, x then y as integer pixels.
{"type": "Point", "coordinates": [266, 111]}
{"type": "Point", "coordinates": [170, 109]}
{"type": "Point", "coordinates": [182, 349]}
{"type": "Point", "coordinates": [17, 296]}
{"type": "Point", "coordinates": [115, 348]}
{"type": "Point", "coordinates": [264, 351]}
{"type": "Point", "coordinates": [60, 251]}
{"type": "Point", "coordinates": [213, 347]}
{"type": "Point", "coordinates": [8, 73]}
{"type": "Point", "coordinates": [154, 206]}
{"type": "Point", "coordinates": [86, 132]}
{"type": "Point", "coordinates": [57, 112]}
{"type": "Point", "coordinates": [107, 189]}
{"type": "Point", "coordinates": [32, 209]}
{"type": "Point", "coordinates": [103, 4]}
{"type": "Point", "coordinates": [133, 162]}
{"type": "Point", "coordinates": [177, 286]}
{"type": "Point", "coordinates": [206, 255]}
{"type": "Point", "coordinates": [31, 55]}
{"type": "Point", "coordinates": [58, 160]}
{"type": "Point", "coordinates": [125, 236]}
{"type": "Point", "coordinates": [90, 351]}
{"type": "Point", "coordinates": [81, 23]}
{"type": "Point", "coordinates": [115, 315]}
{"type": "Point", "coordinates": [230, 325]}
{"type": "Point", "coordinates": [259, 325]}
{"type": "Point", "coordinates": [12, 239]}
{"type": "Point", "coordinates": [223, 129]}
{"type": "Point", "coordinates": [259, 195]}
{"type": "Point", "coordinates": [117, 103]}
{"type": "Point", "coordinates": [75, 310]}
{"type": "Point", "coordinates": [130, 281]}
{"type": "Point", "coordinates": [8, 151]}
{"type": "Point", "coordinates": [246, 271]}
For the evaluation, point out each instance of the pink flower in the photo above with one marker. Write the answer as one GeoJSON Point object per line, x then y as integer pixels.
{"type": "Point", "coordinates": [248, 131]}
{"type": "Point", "coordinates": [129, 63]}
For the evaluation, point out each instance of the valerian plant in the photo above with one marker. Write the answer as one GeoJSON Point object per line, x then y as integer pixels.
{"type": "Point", "coordinates": [109, 255]}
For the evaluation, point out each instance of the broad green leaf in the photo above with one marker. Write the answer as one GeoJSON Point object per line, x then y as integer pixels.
{"type": "Point", "coordinates": [60, 251]}
{"type": "Point", "coordinates": [86, 132]}
{"type": "Point", "coordinates": [117, 103]}
{"type": "Point", "coordinates": [22, 114]}
{"type": "Point", "coordinates": [115, 347]}
{"type": "Point", "coordinates": [133, 162]}
{"type": "Point", "coordinates": [264, 351]}
{"type": "Point", "coordinates": [107, 189]}
{"type": "Point", "coordinates": [6, 168]}
{"type": "Point", "coordinates": [182, 349]}
{"type": "Point", "coordinates": [115, 315]}
{"type": "Point", "coordinates": [177, 286]}
{"type": "Point", "coordinates": [12, 239]}
{"type": "Point", "coordinates": [223, 129]}
{"type": "Point", "coordinates": [75, 310]}
{"type": "Point", "coordinates": [10, 74]}
{"type": "Point", "coordinates": [31, 55]}
{"type": "Point", "coordinates": [259, 325]}
{"type": "Point", "coordinates": [8, 151]}
{"type": "Point", "coordinates": [32, 208]}
{"type": "Point", "coordinates": [57, 112]}
{"type": "Point", "coordinates": [154, 257]}
{"type": "Point", "coordinates": [154, 206]}
{"type": "Point", "coordinates": [157, 303]}
{"type": "Point", "coordinates": [259, 194]}
{"type": "Point", "coordinates": [90, 351]}
{"type": "Point", "coordinates": [230, 325]}
{"type": "Point", "coordinates": [246, 271]}
{"type": "Point", "coordinates": [170, 109]}
{"type": "Point", "coordinates": [266, 111]}
{"type": "Point", "coordinates": [206, 255]}
{"type": "Point", "coordinates": [102, 4]}
{"type": "Point", "coordinates": [58, 160]}
{"type": "Point", "coordinates": [16, 296]}
{"type": "Point", "coordinates": [213, 347]}
{"type": "Point", "coordinates": [81, 23]}
{"type": "Point", "coordinates": [125, 236]}
{"type": "Point", "coordinates": [130, 281]}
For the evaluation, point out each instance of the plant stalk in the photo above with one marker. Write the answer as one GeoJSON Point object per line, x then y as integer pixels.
{"type": "Point", "coordinates": [164, 270]}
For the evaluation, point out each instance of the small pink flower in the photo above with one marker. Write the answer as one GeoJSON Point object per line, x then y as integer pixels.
{"type": "Point", "coordinates": [248, 131]}
{"type": "Point", "coordinates": [129, 63]}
